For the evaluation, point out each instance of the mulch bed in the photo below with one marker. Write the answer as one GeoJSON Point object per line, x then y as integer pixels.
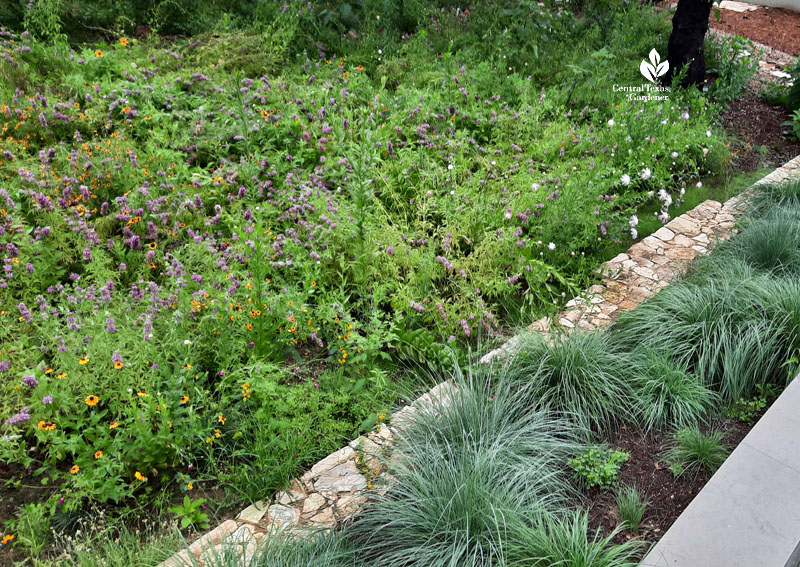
{"type": "Point", "coordinates": [667, 496]}
{"type": "Point", "coordinates": [775, 27]}
{"type": "Point", "coordinates": [756, 125]}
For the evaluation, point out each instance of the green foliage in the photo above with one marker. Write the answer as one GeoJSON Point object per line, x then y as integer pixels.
{"type": "Point", "coordinates": [190, 513]}
{"type": "Point", "coordinates": [668, 395]}
{"type": "Point", "coordinates": [566, 539]}
{"type": "Point", "coordinates": [733, 60]}
{"type": "Point", "coordinates": [694, 451]}
{"type": "Point", "coordinates": [467, 470]}
{"type": "Point", "coordinates": [631, 506]}
{"type": "Point", "coordinates": [311, 550]}
{"type": "Point", "coordinates": [599, 466]}
{"type": "Point", "coordinates": [31, 528]}
{"type": "Point", "coordinates": [583, 375]}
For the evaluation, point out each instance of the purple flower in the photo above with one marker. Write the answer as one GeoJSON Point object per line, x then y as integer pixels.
{"type": "Point", "coordinates": [30, 381]}
{"type": "Point", "coordinates": [416, 306]}
{"type": "Point", "coordinates": [4, 366]}
{"type": "Point", "coordinates": [21, 417]}
{"type": "Point", "coordinates": [24, 311]}
{"type": "Point", "coordinates": [47, 400]}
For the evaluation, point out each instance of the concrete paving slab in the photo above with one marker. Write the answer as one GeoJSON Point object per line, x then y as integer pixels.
{"type": "Point", "coordinates": [748, 514]}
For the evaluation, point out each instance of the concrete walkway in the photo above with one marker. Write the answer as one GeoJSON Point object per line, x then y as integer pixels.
{"type": "Point", "coordinates": [748, 514]}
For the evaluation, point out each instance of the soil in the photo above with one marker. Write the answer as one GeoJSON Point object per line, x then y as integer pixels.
{"type": "Point", "coordinates": [775, 27]}
{"type": "Point", "coordinates": [667, 495]}
{"type": "Point", "coordinates": [756, 125]}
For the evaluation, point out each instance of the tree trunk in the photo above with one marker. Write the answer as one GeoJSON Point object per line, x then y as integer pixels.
{"type": "Point", "coordinates": [689, 27]}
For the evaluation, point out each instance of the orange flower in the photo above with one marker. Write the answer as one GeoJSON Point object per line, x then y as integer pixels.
{"type": "Point", "coordinates": [118, 364]}
{"type": "Point", "coordinates": [113, 425]}
{"type": "Point", "coordinates": [74, 469]}
{"type": "Point", "coordinates": [360, 68]}
{"type": "Point", "coordinates": [140, 477]}
{"type": "Point", "coordinates": [92, 400]}
{"type": "Point", "coordinates": [184, 399]}
{"type": "Point", "coordinates": [98, 53]}
{"type": "Point", "coordinates": [45, 426]}
{"type": "Point", "coordinates": [98, 454]}
{"type": "Point", "coordinates": [61, 375]}
{"type": "Point", "coordinates": [83, 360]}
{"type": "Point", "coordinates": [123, 41]}
{"type": "Point", "coordinates": [190, 486]}
{"type": "Point", "coordinates": [141, 394]}
{"type": "Point", "coordinates": [7, 539]}
{"type": "Point", "coordinates": [221, 418]}
{"type": "Point", "coordinates": [152, 245]}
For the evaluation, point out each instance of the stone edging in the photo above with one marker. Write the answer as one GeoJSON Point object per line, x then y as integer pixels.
{"type": "Point", "coordinates": [332, 490]}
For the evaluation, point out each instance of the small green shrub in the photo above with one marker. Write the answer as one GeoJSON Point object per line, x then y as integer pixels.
{"type": "Point", "coordinates": [746, 410]}
{"type": "Point", "coordinates": [599, 466]}
{"type": "Point", "coordinates": [667, 394]}
{"type": "Point", "coordinates": [733, 60]}
{"type": "Point", "coordinates": [630, 508]}
{"type": "Point", "coordinates": [693, 451]}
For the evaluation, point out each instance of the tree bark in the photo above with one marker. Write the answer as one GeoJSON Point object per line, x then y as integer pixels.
{"type": "Point", "coordinates": [689, 27]}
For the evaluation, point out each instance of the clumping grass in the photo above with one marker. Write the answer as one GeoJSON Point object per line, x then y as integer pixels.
{"type": "Point", "coordinates": [667, 394]}
{"type": "Point", "coordinates": [771, 243]}
{"type": "Point", "coordinates": [567, 540]}
{"type": "Point", "coordinates": [724, 324]}
{"type": "Point", "coordinates": [693, 451]}
{"type": "Point", "coordinates": [466, 472]}
{"type": "Point", "coordinates": [776, 194]}
{"type": "Point", "coordinates": [583, 375]}
{"type": "Point", "coordinates": [631, 506]}
{"type": "Point", "coordinates": [324, 549]}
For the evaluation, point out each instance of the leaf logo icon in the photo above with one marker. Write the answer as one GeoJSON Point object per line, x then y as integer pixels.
{"type": "Point", "coordinates": [655, 68]}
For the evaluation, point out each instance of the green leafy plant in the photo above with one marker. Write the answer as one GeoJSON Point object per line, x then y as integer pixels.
{"type": "Point", "coordinates": [733, 60]}
{"type": "Point", "coordinates": [747, 410]}
{"type": "Point", "coordinates": [631, 506]}
{"type": "Point", "coordinates": [191, 513]}
{"type": "Point", "coordinates": [599, 466]}
{"type": "Point", "coordinates": [694, 451]}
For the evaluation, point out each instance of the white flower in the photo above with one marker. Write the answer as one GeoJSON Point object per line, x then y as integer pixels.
{"type": "Point", "coordinates": [685, 115]}
{"type": "Point", "coordinates": [552, 246]}
{"type": "Point", "coordinates": [699, 184]}
{"type": "Point", "coordinates": [187, 342]}
{"type": "Point", "coordinates": [380, 52]}
{"type": "Point", "coordinates": [708, 133]}
{"type": "Point", "coordinates": [452, 192]}
{"type": "Point", "coordinates": [646, 173]}
{"type": "Point", "coordinates": [634, 233]}
{"type": "Point", "coordinates": [634, 221]}
{"type": "Point", "coordinates": [535, 186]}
{"type": "Point", "coordinates": [611, 122]}
{"type": "Point", "coordinates": [705, 152]}
{"type": "Point", "coordinates": [674, 155]}
{"type": "Point", "coordinates": [450, 167]}
{"type": "Point", "coordinates": [625, 179]}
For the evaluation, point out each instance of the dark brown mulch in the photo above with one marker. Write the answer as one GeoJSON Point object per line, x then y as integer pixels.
{"type": "Point", "coordinates": [756, 124]}
{"type": "Point", "coordinates": [775, 27]}
{"type": "Point", "coordinates": [667, 496]}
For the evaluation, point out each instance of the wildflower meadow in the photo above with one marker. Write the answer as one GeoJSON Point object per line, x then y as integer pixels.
{"type": "Point", "coordinates": [224, 246]}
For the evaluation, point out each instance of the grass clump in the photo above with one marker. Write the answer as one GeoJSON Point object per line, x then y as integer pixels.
{"type": "Point", "coordinates": [631, 506]}
{"type": "Point", "coordinates": [770, 195]}
{"type": "Point", "coordinates": [667, 394]}
{"type": "Point", "coordinates": [467, 471]}
{"type": "Point", "coordinates": [567, 540]}
{"type": "Point", "coordinates": [583, 375]}
{"type": "Point", "coordinates": [694, 451]}
{"type": "Point", "coordinates": [313, 550]}
{"type": "Point", "coordinates": [726, 324]}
